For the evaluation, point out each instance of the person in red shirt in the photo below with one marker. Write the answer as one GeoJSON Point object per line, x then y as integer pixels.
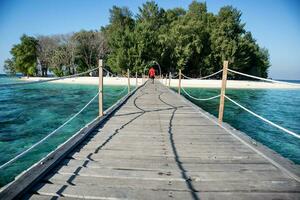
{"type": "Point", "coordinates": [152, 74]}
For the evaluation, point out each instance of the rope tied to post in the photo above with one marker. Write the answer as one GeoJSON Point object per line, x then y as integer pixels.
{"type": "Point", "coordinates": [222, 95]}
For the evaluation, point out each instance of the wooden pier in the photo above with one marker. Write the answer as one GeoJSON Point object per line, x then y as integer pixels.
{"type": "Point", "coordinates": [158, 145]}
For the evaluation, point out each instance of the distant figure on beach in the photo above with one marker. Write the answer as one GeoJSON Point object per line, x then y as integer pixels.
{"type": "Point", "coordinates": [152, 74]}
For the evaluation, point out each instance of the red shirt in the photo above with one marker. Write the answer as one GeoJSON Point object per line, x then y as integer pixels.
{"type": "Point", "coordinates": [152, 72]}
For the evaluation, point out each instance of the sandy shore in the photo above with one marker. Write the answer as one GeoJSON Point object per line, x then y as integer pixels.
{"type": "Point", "coordinates": [174, 83]}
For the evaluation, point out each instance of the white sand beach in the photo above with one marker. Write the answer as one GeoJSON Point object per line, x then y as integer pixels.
{"type": "Point", "coordinates": [237, 84]}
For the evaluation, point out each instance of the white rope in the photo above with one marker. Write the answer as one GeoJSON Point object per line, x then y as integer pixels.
{"type": "Point", "coordinates": [53, 132]}
{"type": "Point", "coordinates": [48, 80]}
{"type": "Point", "coordinates": [113, 75]}
{"type": "Point", "coordinates": [109, 72]}
{"type": "Point", "coordinates": [263, 79]}
{"type": "Point", "coordinates": [204, 77]}
{"type": "Point", "coordinates": [199, 99]}
{"type": "Point", "coordinates": [264, 119]}
{"type": "Point", "coordinates": [174, 76]}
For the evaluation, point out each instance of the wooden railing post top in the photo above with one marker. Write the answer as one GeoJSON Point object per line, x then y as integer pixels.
{"type": "Point", "coordinates": [179, 82]}
{"type": "Point", "coordinates": [100, 64]}
{"type": "Point", "coordinates": [225, 64]}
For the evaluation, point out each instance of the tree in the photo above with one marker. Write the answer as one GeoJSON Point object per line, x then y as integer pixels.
{"type": "Point", "coordinates": [188, 38]}
{"type": "Point", "coordinates": [167, 44]}
{"type": "Point", "coordinates": [148, 28]}
{"type": "Point", "coordinates": [121, 40]}
{"type": "Point", "coordinates": [90, 46]}
{"type": "Point", "coordinates": [10, 67]}
{"type": "Point", "coordinates": [25, 55]}
{"type": "Point", "coordinates": [46, 48]}
{"type": "Point", "coordinates": [61, 61]}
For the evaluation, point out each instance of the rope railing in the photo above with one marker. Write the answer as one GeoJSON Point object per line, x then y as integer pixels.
{"type": "Point", "coordinates": [200, 99]}
{"type": "Point", "coordinates": [204, 77]}
{"type": "Point", "coordinates": [174, 76]}
{"type": "Point", "coordinates": [50, 134]}
{"type": "Point", "coordinates": [109, 72]}
{"type": "Point", "coordinates": [263, 119]}
{"type": "Point", "coordinates": [223, 96]}
{"type": "Point", "coordinates": [262, 79]}
{"type": "Point", "coordinates": [48, 80]}
{"type": "Point", "coordinates": [76, 114]}
{"type": "Point", "coordinates": [60, 78]}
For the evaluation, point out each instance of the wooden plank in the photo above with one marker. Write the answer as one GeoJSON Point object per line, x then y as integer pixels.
{"type": "Point", "coordinates": [165, 165]}
{"type": "Point", "coordinates": [176, 185]}
{"type": "Point", "coordinates": [95, 192]}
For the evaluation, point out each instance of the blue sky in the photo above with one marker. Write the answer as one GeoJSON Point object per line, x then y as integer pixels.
{"type": "Point", "coordinates": [274, 23]}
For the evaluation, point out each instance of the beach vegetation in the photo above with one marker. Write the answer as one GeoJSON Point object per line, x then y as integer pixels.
{"type": "Point", "coordinates": [25, 55]}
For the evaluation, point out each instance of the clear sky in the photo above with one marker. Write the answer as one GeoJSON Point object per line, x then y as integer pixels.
{"type": "Point", "coordinates": [274, 23]}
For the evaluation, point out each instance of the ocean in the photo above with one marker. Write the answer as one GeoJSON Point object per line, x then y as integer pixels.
{"type": "Point", "coordinates": [28, 113]}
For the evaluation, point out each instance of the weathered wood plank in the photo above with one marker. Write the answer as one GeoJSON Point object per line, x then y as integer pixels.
{"type": "Point", "coordinates": [176, 185]}
{"type": "Point", "coordinates": [95, 192]}
{"type": "Point", "coordinates": [168, 165]}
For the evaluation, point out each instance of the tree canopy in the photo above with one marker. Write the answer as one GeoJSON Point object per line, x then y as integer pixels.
{"type": "Point", "coordinates": [193, 40]}
{"type": "Point", "coordinates": [25, 55]}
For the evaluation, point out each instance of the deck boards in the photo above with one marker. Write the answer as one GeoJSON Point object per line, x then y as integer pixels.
{"type": "Point", "coordinates": [157, 146]}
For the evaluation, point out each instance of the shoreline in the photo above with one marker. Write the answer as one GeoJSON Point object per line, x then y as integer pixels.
{"type": "Point", "coordinates": [231, 84]}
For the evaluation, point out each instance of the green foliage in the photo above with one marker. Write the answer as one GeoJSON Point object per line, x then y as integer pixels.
{"type": "Point", "coordinates": [32, 71]}
{"type": "Point", "coordinates": [58, 72]}
{"type": "Point", "coordinates": [120, 35]}
{"type": "Point", "coordinates": [25, 55]}
{"type": "Point", "coordinates": [192, 40]}
{"type": "Point", "coordinates": [9, 67]}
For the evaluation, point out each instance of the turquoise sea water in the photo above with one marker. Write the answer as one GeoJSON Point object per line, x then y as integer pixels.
{"type": "Point", "coordinates": [28, 113]}
{"type": "Point", "coordinates": [280, 106]}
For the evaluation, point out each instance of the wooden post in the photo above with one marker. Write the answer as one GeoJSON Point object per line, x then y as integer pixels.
{"type": "Point", "coordinates": [223, 90]}
{"type": "Point", "coordinates": [179, 82]}
{"type": "Point", "coordinates": [128, 74]}
{"type": "Point", "coordinates": [166, 81]}
{"type": "Point", "coordinates": [136, 79]}
{"type": "Point", "coordinates": [100, 87]}
{"type": "Point", "coordinates": [170, 78]}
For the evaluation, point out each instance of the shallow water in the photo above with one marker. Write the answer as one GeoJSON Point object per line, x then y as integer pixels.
{"type": "Point", "coordinates": [279, 106]}
{"type": "Point", "coordinates": [28, 113]}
